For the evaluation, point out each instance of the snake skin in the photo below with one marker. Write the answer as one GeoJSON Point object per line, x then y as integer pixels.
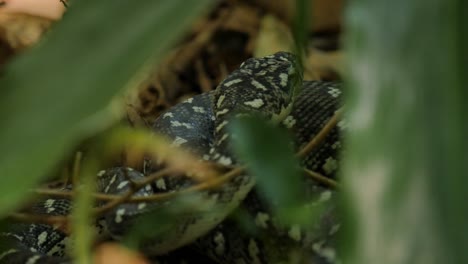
{"type": "Point", "coordinates": [262, 86]}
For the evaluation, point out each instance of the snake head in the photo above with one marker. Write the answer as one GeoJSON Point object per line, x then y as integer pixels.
{"type": "Point", "coordinates": [262, 87]}
{"type": "Point", "coordinates": [280, 72]}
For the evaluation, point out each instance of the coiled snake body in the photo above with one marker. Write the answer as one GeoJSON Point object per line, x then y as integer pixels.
{"type": "Point", "coordinates": [261, 86]}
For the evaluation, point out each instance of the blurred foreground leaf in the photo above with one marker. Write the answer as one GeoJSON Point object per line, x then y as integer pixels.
{"type": "Point", "coordinates": [149, 225]}
{"type": "Point", "coordinates": [161, 220]}
{"type": "Point", "coordinates": [58, 92]}
{"type": "Point", "coordinates": [269, 156]}
{"type": "Point", "coordinates": [406, 163]}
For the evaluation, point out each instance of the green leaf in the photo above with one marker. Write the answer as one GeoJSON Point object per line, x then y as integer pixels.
{"type": "Point", "coordinates": [149, 226]}
{"type": "Point", "coordinates": [405, 168]}
{"type": "Point", "coordinates": [59, 92]}
{"type": "Point", "coordinates": [161, 219]}
{"type": "Point", "coordinates": [300, 31]}
{"type": "Point", "coordinates": [269, 156]}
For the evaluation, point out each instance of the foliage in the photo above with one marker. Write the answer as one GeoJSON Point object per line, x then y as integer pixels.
{"type": "Point", "coordinates": [274, 167]}
{"type": "Point", "coordinates": [60, 91]}
{"type": "Point", "coordinates": [405, 167]}
{"type": "Point", "coordinates": [406, 156]}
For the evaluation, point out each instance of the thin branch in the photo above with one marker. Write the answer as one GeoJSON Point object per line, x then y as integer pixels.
{"type": "Point", "coordinates": [115, 200]}
{"type": "Point", "coordinates": [136, 186]}
{"type": "Point", "coordinates": [322, 179]}
{"type": "Point", "coordinates": [320, 137]}
{"type": "Point", "coordinates": [118, 199]}
{"type": "Point", "coordinates": [64, 2]}
{"type": "Point", "coordinates": [59, 221]}
{"type": "Point", "coordinates": [211, 183]}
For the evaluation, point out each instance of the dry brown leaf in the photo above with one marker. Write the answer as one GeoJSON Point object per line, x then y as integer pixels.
{"type": "Point", "coordinates": [243, 18]}
{"type": "Point", "coordinates": [328, 65]}
{"type": "Point", "coordinates": [20, 31]}
{"type": "Point", "coordinates": [164, 87]}
{"type": "Point", "coordinates": [276, 36]}
{"type": "Point", "coordinates": [325, 14]}
{"type": "Point", "coordinates": [202, 76]}
{"type": "Point", "coordinates": [273, 36]}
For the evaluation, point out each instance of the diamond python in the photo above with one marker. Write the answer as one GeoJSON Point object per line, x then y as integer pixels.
{"type": "Point", "coordinates": [261, 86]}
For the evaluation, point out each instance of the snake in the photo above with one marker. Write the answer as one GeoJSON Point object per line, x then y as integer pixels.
{"type": "Point", "coordinates": [270, 87]}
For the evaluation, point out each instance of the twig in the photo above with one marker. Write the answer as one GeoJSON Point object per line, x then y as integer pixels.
{"type": "Point", "coordinates": [205, 82]}
{"type": "Point", "coordinates": [214, 182]}
{"type": "Point", "coordinates": [64, 2]}
{"type": "Point", "coordinates": [322, 179]}
{"type": "Point", "coordinates": [134, 188]}
{"type": "Point", "coordinates": [321, 135]}
{"type": "Point", "coordinates": [53, 220]}
{"type": "Point", "coordinates": [115, 200]}
{"type": "Point", "coordinates": [211, 183]}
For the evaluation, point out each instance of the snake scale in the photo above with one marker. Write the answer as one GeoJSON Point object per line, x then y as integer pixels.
{"type": "Point", "coordinates": [260, 86]}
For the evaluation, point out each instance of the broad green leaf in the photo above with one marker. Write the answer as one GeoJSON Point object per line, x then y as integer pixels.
{"type": "Point", "coordinates": [268, 154]}
{"type": "Point", "coordinates": [405, 168]}
{"type": "Point", "coordinates": [149, 226]}
{"type": "Point", "coordinates": [162, 218]}
{"type": "Point", "coordinates": [59, 92]}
